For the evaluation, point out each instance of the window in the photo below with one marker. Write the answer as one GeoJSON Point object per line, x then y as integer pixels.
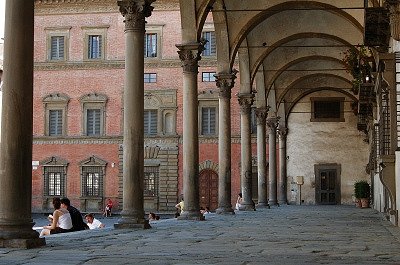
{"type": "Point", "coordinates": [151, 180]}
{"type": "Point", "coordinates": [56, 119]}
{"type": "Point", "coordinates": [208, 76]}
{"type": "Point", "coordinates": [57, 48]}
{"type": "Point", "coordinates": [93, 114]}
{"type": "Point", "coordinates": [208, 121]}
{"type": "Point", "coordinates": [95, 47]}
{"type": "Point", "coordinates": [150, 122]}
{"type": "Point", "coordinates": [92, 174]}
{"type": "Point", "coordinates": [55, 122]}
{"type": "Point", "coordinates": [95, 42]}
{"type": "Point", "coordinates": [150, 45]}
{"type": "Point", "coordinates": [57, 43]}
{"type": "Point", "coordinates": [210, 46]}
{"type": "Point", "coordinates": [327, 109]}
{"type": "Point", "coordinates": [54, 173]}
{"type": "Point", "coordinates": [150, 78]}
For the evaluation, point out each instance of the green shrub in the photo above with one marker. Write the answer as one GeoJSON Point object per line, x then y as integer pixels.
{"type": "Point", "coordinates": [362, 189]}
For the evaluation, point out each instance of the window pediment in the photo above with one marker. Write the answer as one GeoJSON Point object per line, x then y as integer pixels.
{"type": "Point", "coordinates": [93, 161]}
{"type": "Point", "coordinates": [54, 161]}
{"type": "Point", "coordinates": [56, 98]}
{"type": "Point", "coordinates": [93, 97]}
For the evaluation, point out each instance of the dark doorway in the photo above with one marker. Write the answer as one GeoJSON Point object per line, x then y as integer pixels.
{"type": "Point", "coordinates": [327, 184]}
{"type": "Point", "coordinates": [208, 181]}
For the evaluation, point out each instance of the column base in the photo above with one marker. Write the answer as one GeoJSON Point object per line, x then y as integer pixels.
{"type": "Point", "coordinates": [195, 215]}
{"type": "Point", "coordinates": [273, 203]}
{"type": "Point", "coordinates": [225, 210]}
{"type": "Point", "coordinates": [263, 205]}
{"type": "Point", "coordinates": [22, 243]}
{"type": "Point", "coordinates": [283, 203]}
{"type": "Point", "coordinates": [247, 207]}
{"type": "Point", "coordinates": [132, 223]}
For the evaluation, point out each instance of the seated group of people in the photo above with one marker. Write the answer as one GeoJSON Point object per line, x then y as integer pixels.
{"type": "Point", "coordinates": [67, 218]}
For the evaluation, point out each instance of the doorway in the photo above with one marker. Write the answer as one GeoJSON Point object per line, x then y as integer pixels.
{"type": "Point", "coordinates": [208, 183]}
{"type": "Point", "coordinates": [327, 184]}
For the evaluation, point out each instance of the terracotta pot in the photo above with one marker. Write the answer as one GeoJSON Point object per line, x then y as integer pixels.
{"type": "Point", "coordinates": [358, 203]}
{"type": "Point", "coordinates": [364, 203]}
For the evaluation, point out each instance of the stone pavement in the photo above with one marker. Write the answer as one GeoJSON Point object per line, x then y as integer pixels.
{"type": "Point", "coordinates": [280, 235]}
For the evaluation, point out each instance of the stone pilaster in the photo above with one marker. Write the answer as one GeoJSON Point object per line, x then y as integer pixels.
{"type": "Point", "coordinates": [132, 215]}
{"type": "Point", "coordinates": [16, 129]}
{"type": "Point", "coordinates": [190, 56]}
{"type": "Point", "coordinates": [272, 124]}
{"type": "Point", "coordinates": [246, 101]}
{"type": "Point", "coordinates": [261, 115]}
{"type": "Point", "coordinates": [225, 83]}
{"type": "Point", "coordinates": [282, 179]}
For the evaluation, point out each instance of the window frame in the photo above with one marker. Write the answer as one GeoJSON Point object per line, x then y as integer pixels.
{"type": "Point", "coordinates": [209, 43]}
{"type": "Point", "coordinates": [148, 169]}
{"type": "Point", "coordinates": [55, 101]}
{"type": "Point", "coordinates": [158, 30]}
{"type": "Point", "coordinates": [92, 165]}
{"type": "Point", "coordinates": [95, 31]}
{"type": "Point", "coordinates": [208, 104]}
{"type": "Point", "coordinates": [57, 32]}
{"type": "Point", "coordinates": [151, 78]}
{"type": "Point", "coordinates": [50, 165]}
{"type": "Point", "coordinates": [208, 77]}
{"type": "Point", "coordinates": [327, 99]}
{"type": "Point", "coordinates": [89, 102]}
{"type": "Point", "coordinates": [147, 131]}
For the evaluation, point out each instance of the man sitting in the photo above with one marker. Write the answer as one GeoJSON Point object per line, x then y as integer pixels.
{"type": "Point", "coordinates": [92, 222]}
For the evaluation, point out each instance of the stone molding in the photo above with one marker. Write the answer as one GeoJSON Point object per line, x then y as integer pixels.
{"type": "Point", "coordinates": [282, 132]}
{"type": "Point", "coordinates": [261, 115]}
{"type": "Point", "coordinates": [189, 54]}
{"type": "Point", "coordinates": [245, 102]}
{"type": "Point", "coordinates": [273, 122]}
{"type": "Point", "coordinates": [394, 10]}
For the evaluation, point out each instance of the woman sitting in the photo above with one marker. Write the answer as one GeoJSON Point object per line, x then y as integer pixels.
{"type": "Point", "coordinates": [61, 223]}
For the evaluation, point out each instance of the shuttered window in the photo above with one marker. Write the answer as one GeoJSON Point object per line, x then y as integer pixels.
{"type": "Point", "coordinates": [208, 122]}
{"type": "Point", "coordinates": [57, 48]}
{"type": "Point", "coordinates": [55, 122]}
{"type": "Point", "coordinates": [150, 122]}
{"type": "Point", "coordinates": [150, 45]}
{"type": "Point", "coordinates": [210, 46]}
{"type": "Point", "coordinates": [93, 120]}
{"type": "Point", "coordinates": [95, 47]}
{"type": "Point", "coordinates": [54, 181]}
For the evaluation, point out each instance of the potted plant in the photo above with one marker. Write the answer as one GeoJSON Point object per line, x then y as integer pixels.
{"type": "Point", "coordinates": [356, 61]}
{"type": "Point", "coordinates": [362, 193]}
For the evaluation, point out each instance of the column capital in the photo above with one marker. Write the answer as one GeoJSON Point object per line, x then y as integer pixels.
{"type": "Point", "coordinates": [394, 16]}
{"type": "Point", "coordinates": [245, 102]}
{"type": "Point", "coordinates": [189, 54]}
{"type": "Point", "coordinates": [273, 122]}
{"type": "Point", "coordinates": [135, 12]}
{"type": "Point", "coordinates": [261, 114]}
{"type": "Point", "coordinates": [283, 131]}
{"type": "Point", "coordinates": [225, 82]}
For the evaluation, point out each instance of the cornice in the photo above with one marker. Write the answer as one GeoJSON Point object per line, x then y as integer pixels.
{"type": "Point", "coordinates": [118, 140]}
{"type": "Point", "coordinates": [118, 64]}
{"type": "Point", "coordinates": [57, 7]}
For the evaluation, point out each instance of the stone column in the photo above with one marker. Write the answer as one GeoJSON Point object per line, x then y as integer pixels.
{"type": "Point", "coordinates": [134, 12]}
{"type": "Point", "coordinates": [225, 82]}
{"type": "Point", "coordinates": [394, 15]}
{"type": "Point", "coordinates": [261, 114]}
{"type": "Point", "coordinates": [282, 181]}
{"type": "Point", "coordinates": [190, 56]}
{"type": "Point", "coordinates": [245, 101]}
{"type": "Point", "coordinates": [272, 125]}
{"type": "Point", "coordinates": [16, 129]}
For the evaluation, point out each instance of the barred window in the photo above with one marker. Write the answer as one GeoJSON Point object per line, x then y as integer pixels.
{"type": "Point", "coordinates": [208, 120]}
{"type": "Point", "coordinates": [210, 46]}
{"type": "Point", "coordinates": [54, 181]}
{"type": "Point", "coordinates": [151, 175]}
{"type": "Point", "coordinates": [327, 109]}
{"type": "Point", "coordinates": [150, 122]}
{"type": "Point", "coordinates": [92, 181]}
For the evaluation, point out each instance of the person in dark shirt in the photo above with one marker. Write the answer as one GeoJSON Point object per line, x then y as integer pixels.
{"type": "Point", "coordinates": [76, 216]}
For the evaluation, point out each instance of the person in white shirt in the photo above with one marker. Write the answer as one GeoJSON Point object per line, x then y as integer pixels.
{"type": "Point", "coordinates": [92, 222]}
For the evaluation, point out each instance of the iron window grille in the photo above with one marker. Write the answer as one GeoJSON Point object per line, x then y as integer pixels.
{"type": "Point", "coordinates": [54, 180]}
{"type": "Point", "coordinates": [384, 125]}
{"type": "Point", "coordinates": [151, 178]}
{"type": "Point", "coordinates": [92, 181]}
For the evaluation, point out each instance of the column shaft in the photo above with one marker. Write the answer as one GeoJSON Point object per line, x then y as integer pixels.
{"type": "Point", "coordinates": [261, 114]}
{"type": "Point", "coordinates": [282, 181]}
{"type": "Point", "coordinates": [272, 124]}
{"type": "Point", "coordinates": [190, 55]}
{"type": "Point", "coordinates": [16, 129]}
{"type": "Point", "coordinates": [245, 101]}
{"type": "Point", "coordinates": [133, 142]}
{"type": "Point", "coordinates": [225, 83]}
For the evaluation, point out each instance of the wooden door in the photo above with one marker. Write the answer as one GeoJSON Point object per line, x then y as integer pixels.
{"type": "Point", "coordinates": [327, 186]}
{"type": "Point", "coordinates": [208, 182]}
